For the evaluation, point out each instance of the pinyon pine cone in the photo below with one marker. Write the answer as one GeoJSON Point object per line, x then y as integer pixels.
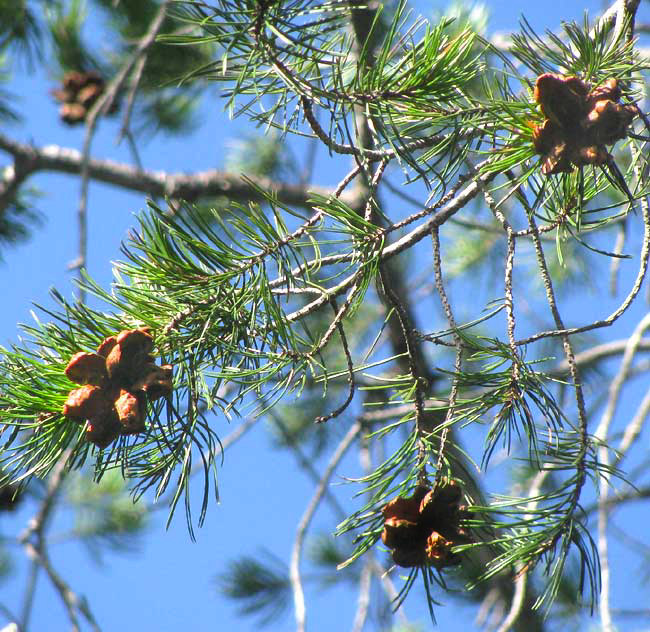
{"type": "Point", "coordinates": [78, 93]}
{"type": "Point", "coordinates": [423, 528]}
{"type": "Point", "coordinates": [580, 122]}
{"type": "Point", "coordinates": [117, 382]}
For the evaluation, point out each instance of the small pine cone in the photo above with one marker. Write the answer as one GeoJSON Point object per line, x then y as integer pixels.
{"type": "Point", "coordinates": [448, 492]}
{"type": "Point", "coordinates": [440, 502]}
{"type": "Point", "coordinates": [431, 508]}
{"type": "Point", "coordinates": [87, 368]}
{"type": "Point", "coordinates": [593, 155]}
{"type": "Point", "coordinates": [63, 96]}
{"type": "Point", "coordinates": [557, 160]}
{"type": "Point", "coordinates": [607, 90]}
{"type": "Point", "coordinates": [130, 411]}
{"type": "Point", "coordinates": [562, 99]}
{"type": "Point", "coordinates": [406, 508]}
{"type": "Point", "coordinates": [92, 77]}
{"type": "Point", "coordinates": [136, 338]}
{"type": "Point", "coordinates": [114, 363]}
{"type": "Point", "coordinates": [608, 121]}
{"type": "Point", "coordinates": [546, 136]}
{"type": "Point", "coordinates": [73, 80]}
{"type": "Point", "coordinates": [87, 402]}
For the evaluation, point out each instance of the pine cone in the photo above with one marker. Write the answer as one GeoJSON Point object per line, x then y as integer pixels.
{"type": "Point", "coordinates": [423, 528]}
{"type": "Point", "coordinates": [580, 121]}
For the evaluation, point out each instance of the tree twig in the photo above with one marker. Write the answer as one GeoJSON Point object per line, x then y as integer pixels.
{"type": "Point", "coordinates": [35, 544]}
{"type": "Point", "coordinates": [303, 525]}
{"type": "Point", "coordinates": [402, 244]}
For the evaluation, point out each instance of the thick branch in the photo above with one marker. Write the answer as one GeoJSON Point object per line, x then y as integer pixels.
{"type": "Point", "coordinates": [29, 160]}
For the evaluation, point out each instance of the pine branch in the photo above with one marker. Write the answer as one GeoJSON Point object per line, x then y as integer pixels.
{"type": "Point", "coordinates": [157, 184]}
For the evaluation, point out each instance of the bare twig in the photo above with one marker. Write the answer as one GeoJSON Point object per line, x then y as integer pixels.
{"type": "Point", "coordinates": [363, 602]}
{"type": "Point", "coordinates": [625, 16]}
{"type": "Point", "coordinates": [580, 463]}
{"type": "Point", "coordinates": [35, 544]}
{"type": "Point", "coordinates": [372, 155]}
{"type": "Point", "coordinates": [402, 244]}
{"type": "Point", "coordinates": [585, 359]}
{"type": "Point", "coordinates": [134, 84]}
{"type": "Point", "coordinates": [616, 261]}
{"type": "Point", "coordinates": [643, 268]}
{"type": "Point", "coordinates": [30, 592]}
{"type": "Point", "coordinates": [348, 358]}
{"type": "Point", "coordinates": [306, 464]}
{"type": "Point", "coordinates": [440, 287]}
{"type": "Point", "coordinates": [296, 552]}
{"type": "Point", "coordinates": [602, 435]}
{"type": "Point", "coordinates": [597, 353]}
{"type": "Point", "coordinates": [70, 599]}
{"type": "Point", "coordinates": [633, 429]}
{"type": "Point", "coordinates": [374, 183]}
{"type": "Point", "coordinates": [103, 105]}
{"type": "Point", "coordinates": [508, 268]}
{"type": "Point", "coordinates": [419, 381]}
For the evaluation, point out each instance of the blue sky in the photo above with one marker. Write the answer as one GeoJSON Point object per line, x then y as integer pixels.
{"type": "Point", "coordinates": [168, 583]}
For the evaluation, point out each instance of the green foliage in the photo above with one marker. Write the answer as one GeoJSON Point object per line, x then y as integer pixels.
{"type": "Point", "coordinates": [164, 106]}
{"type": "Point", "coordinates": [259, 584]}
{"type": "Point", "coordinates": [261, 156]}
{"type": "Point", "coordinates": [171, 111]}
{"type": "Point", "coordinates": [65, 28]}
{"type": "Point", "coordinates": [18, 219]}
{"type": "Point", "coordinates": [240, 318]}
{"type": "Point", "coordinates": [8, 114]}
{"type": "Point", "coordinates": [327, 554]}
{"type": "Point", "coordinates": [408, 84]}
{"type": "Point", "coordinates": [593, 54]}
{"type": "Point", "coordinates": [104, 514]}
{"type": "Point", "coordinates": [58, 28]}
{"type": "Point", "coordinates": [132, 17]}
{"type": "Point", "coordinates": [20, 29]}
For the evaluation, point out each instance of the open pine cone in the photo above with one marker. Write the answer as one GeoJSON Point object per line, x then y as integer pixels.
{"type": "Point", "coordinates": [116, 383]}
{"type": "Point", "coordinates": [78, 93]}
{"type": "Point", "coordinates": [423, 528]}
{"type": "Point", "coordinates": [580, 122]}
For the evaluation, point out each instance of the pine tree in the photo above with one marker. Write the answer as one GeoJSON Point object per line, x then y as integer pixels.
{"type": "Point", "coordinates": [427, 326]}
